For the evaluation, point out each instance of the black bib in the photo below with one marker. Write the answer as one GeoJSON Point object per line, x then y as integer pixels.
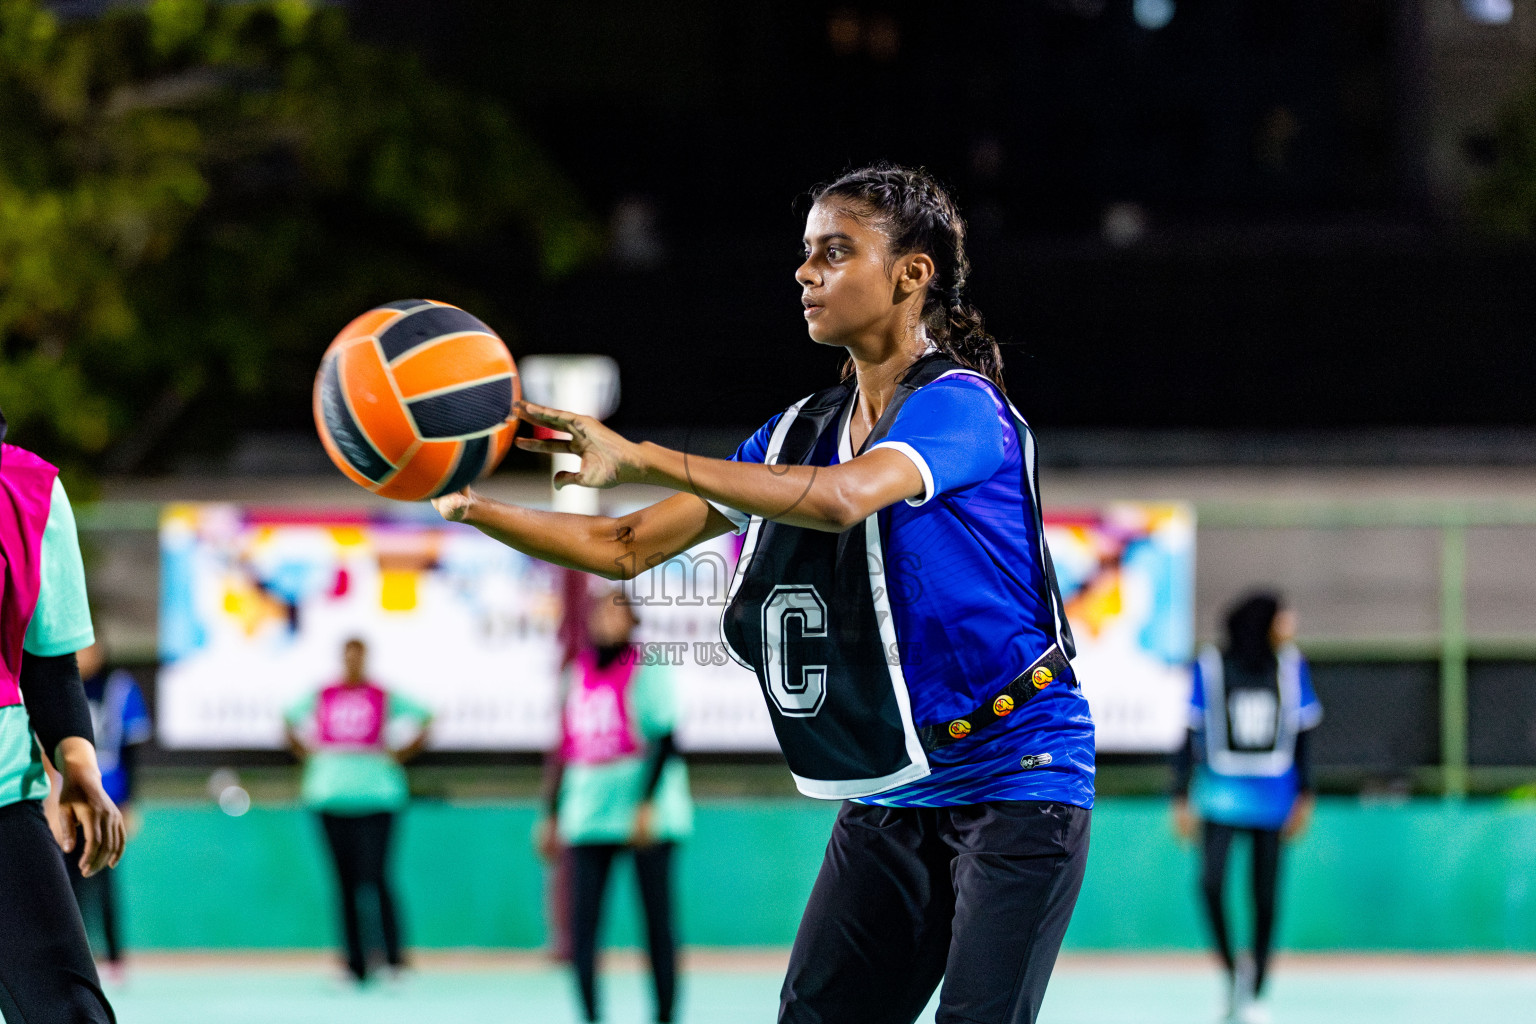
{"type": "Point", "coordinates": [1251, 718]}
{"type": "Point", "coordinates": [810, 614]}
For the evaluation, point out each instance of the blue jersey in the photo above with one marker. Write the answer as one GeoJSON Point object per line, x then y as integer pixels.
{"type": "Point", "coordinates": [971, 605]}
{"type": "Point", "coordinates": [120, 720]}
{"type": "Point", "coordinates": [1246, 739]}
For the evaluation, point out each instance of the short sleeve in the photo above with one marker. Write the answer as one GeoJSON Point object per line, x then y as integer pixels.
{"type": "Point", "coordinates": [1309, 715]}
{"type": "Point", "coordinates": [1197, 698]}
{"type": "Point", "coordinates": [654, 701]}
{"type": "Point", "coordinates": [301, 710]}
{"type": "Point", "coordinates": [404, 707]}
{"type": "Point", "coordinates": [753, 449]}
{"type": "Point", "coordinates": [955, 431]}
{"type": "Point", "coordinates": [137, 726]}
{"type": "Point", "coordinates": [62, 622]}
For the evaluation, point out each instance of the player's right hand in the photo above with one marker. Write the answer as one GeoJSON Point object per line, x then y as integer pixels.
{"type": "Point", "coordinates": [644, 833]}
{"type": "Point", "coordinates": [607, 458]}
{"type": "Point", "coordinates": [1185, 824]}
{"type": "Point", "coordinates": [1300, 817]}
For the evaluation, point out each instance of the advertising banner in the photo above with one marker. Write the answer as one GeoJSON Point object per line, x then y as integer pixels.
{"type": "Point", "coordinates": [257, 603]}
{"type": "Point", "coordinates": [1127, 575]}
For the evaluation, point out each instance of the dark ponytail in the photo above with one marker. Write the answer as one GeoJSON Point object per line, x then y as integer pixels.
{"type": "Point", "coordinates": [916, 214]}
{"type": "Point", "coordinates": [1250, 628]}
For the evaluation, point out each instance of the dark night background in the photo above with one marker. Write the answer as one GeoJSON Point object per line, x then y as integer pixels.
{"type": "Point", "coordinates": [1260, 223]}
{"type": "Point", "coordinates": [1294, 269]}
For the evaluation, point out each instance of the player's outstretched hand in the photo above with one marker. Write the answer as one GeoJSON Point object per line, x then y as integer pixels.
{"type": "Point", "coordinates": [454, 507]}
{"type": "Point", "coordinates": [85, 808]}
{"type": "Point", "coordinates": [606, 457]}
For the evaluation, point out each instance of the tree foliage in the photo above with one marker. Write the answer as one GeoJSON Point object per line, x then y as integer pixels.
{"type": "Point", "coordinates": [194, 196]}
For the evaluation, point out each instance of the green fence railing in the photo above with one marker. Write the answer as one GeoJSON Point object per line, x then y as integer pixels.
{"type": "Point", "coordinates": [1452, 646]}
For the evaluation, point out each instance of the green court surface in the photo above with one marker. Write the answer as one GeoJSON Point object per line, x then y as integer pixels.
{"type": "Point", "coordinates": [743, 989]}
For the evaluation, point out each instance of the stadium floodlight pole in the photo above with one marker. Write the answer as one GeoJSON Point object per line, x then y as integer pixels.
{"type": "Point", "coordinates": [588, 385]}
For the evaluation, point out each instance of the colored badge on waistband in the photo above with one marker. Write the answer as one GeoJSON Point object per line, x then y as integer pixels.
{"type": "Point", "coordinates": [959, 728]}
{"type": "Point", "coordinates": [1002, 706]}
{"type": "Point", "coordinates": [1041, 677]}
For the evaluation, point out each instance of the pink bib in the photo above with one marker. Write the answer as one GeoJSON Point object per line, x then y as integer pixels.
{"type": "Point", "coordinates": [351, 716]}
{"type": "Point", "coordinates": [597, 724]}
{"type": "Point", "coordinates": [26, 495]}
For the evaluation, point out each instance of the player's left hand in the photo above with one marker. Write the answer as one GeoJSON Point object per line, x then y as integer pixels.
{"type": "Point", "coordinates": [546, 839]}
{"type": "Point", "coordinates": [454, 507]}
{"type": "Point", "coordinates": [607, 458]}
{"type": "Point", "coordinates": [1300, 817]}
{"type": "Point", "coordinates": [84, 805]}
{"type": "Point", "coordinates": [644, 833]}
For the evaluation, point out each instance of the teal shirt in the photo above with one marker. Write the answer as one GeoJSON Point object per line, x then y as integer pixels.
{"type": "Point", "coordinates": [356, 781]}
{"type": "Point", "coordinates": [598, 802]}
{"type": "Point", "coordinates": [60, 625]}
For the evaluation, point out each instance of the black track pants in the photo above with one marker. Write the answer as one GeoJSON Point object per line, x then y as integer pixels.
{"type": "Point", "coordinates": [360, 849]}
{"type": "Point", "coordinates": [46, 972]}
{"type": "Point", "coordinates": [1213, 883]}
{"type": "Point", "coordinates": [979, 896]}
{"type": "Point", "coordinates": [97, 895]}
{"type": "Point", "coordinates": [590, 867]}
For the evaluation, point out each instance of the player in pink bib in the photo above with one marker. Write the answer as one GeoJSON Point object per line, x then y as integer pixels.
{"type": "Point", "coordinates": [353, 778]}
{"type": "Point", "coordinates": [598, 726]}
{"type": "Point", "coordinates": [351, 716]}
{"type": "Point", "coordinates": [621, 789]}
{"type": "Point", "coordinates": [46, 971]}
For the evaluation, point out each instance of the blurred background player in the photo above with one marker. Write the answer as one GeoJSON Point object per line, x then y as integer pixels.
{"type": "Point", "coordinates": [46, 970]}
{"type": "Point", "coordinates": [576, 605]}
{"type": "Point", "coordinates": [121, 721]}
{"type": "Point", "coordinates": [620, 787]}
{"type": "Point", "coordinates": [353, 778]}
{"type": "Point", "coordinates": [1251, 709]}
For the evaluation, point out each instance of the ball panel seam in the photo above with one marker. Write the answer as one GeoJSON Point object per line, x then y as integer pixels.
{"type": "Point", "coordinates": [470, 467]}
{"type": "Point", "coordinates": [467, 411]}
{"type": "Point", "coordinates": [341, 423]}
{"type": "Point", "coordinates": [383, 419]}
{"type": "Point", "coordinates": [451, 361]}
{"type": "Point", "coordinates": [423, 473]}
{"type": "Point", "coordinates": [421, 326]}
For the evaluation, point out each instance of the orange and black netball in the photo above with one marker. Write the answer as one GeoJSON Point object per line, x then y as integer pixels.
{"type": "Point", "coordinates": [414, 399]}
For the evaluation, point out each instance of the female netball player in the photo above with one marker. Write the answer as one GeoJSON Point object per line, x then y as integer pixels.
{"type": "Point", "coordinates": [618, 789]}
{"type": "Point", "coordinates": [896, 599]}
{"type": "Point", "coordinates": [46, 971]}
{"type": "Point", "coordinates": [1250, 713]}
{"type": "Point", "coordinates": [355, 783]}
